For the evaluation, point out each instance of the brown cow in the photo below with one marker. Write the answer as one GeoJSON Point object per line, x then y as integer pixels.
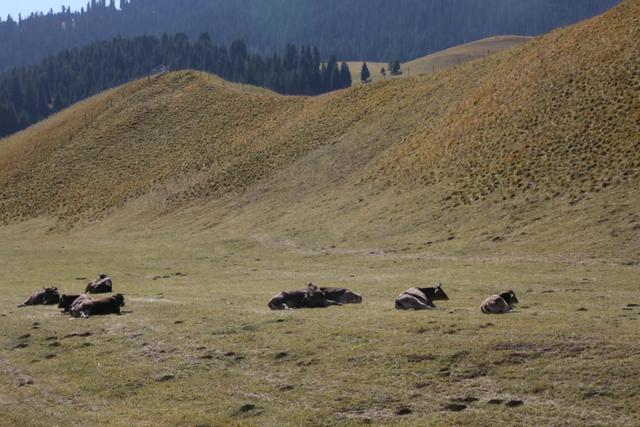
{"type": "Point", "coordinates": [500, 303]}
{"type": "Point", "coordinates": [102, 285]}
{"type": "Point", "coordinates": [86, 307]}
{"type": "Point", "coordinates": [310, 297]}
{"type": "Point", "coordinates": [47, 296]}
{"type": "Point", "coordinates": [420, 298]}
{"type": "Point", "coordinates": [66, 301]}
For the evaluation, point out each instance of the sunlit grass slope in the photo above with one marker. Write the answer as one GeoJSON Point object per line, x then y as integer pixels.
{"type": "Point", "coordinates": [442, 60]}
{"type": "Point", "coordinates": [533, 151]}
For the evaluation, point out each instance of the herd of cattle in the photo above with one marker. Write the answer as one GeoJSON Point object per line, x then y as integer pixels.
{"type": "Point", "coordinates": [411, 299]}
{"type": "Point", "coordinates": [82, 305]}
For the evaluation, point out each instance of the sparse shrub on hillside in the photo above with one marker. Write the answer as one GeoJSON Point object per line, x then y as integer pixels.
{"type": "Point", "coordinates": [365, 75]}
{"type": "Point", "coordinates": [394, 68]}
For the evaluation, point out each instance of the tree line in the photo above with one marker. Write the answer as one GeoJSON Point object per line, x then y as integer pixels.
{"type": "Point", "coordinates": [29, 94]}
{"type": "Point", "coordinates": [373, 30]}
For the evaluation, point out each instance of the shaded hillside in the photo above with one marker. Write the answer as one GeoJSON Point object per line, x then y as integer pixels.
{"type": "Point", "coordinates": [535, 150]}
{"type": "Point", "coordinates": [30, 94]}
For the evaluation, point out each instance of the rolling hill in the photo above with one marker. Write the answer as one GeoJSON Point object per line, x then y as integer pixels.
{"type": "Point", "coordinates": [531, 151]}
{"type": "Point", "coordinates": [442, 60]}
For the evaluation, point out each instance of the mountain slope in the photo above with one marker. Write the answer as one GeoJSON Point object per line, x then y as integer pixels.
{"type": "Point", "coordinates": [532, 151]}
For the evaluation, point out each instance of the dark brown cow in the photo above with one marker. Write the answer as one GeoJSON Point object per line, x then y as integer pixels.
{"type": "Point", "coordinates": [102, 285]}
{"type": "Point", "coordinates": [500, 303]}
{"type": "Point", "coordinates": [66, 301]}
{"type": "Point", "coordinates": [420, 298]}
{"type": "Point", "coordinates": [342, 295]}
{"type": "Point", "coordinates": [87, 306]}
{"type": "Point", "coordinates": [47, 296]}
{"type": "Point", "coordinates": [310, 297]}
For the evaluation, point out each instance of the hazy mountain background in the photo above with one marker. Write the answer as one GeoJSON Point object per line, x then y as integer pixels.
{"type": "Point", "coordinates": [351, 29]}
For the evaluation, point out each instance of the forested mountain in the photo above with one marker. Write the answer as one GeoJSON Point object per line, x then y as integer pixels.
{"type": "Point", "coordinates": [29, 94]}
{"type": "Point", "coordinates": [352, 29]}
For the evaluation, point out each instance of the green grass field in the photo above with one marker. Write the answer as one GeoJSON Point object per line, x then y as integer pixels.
{"type": "Point", "coordinates": [202, 348]}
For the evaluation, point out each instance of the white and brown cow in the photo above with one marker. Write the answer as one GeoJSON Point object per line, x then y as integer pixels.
{"type": "Point", "coordinates": [102, 285]}
{"type": "Point", "coordinates": [420, 298]}
{"type": "Point", "coordinates": [499, 303]}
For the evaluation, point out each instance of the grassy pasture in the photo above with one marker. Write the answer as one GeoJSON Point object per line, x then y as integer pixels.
{"type": "Point", "coordinates": [201, 347]}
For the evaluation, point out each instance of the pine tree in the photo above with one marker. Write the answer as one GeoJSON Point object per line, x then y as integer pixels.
{"type": "Point", "coordinates": [394, 68]}
{"type": "Point", "coordinates": [365, 75]}
{"type": "Point", "coordinates": [345, 76]}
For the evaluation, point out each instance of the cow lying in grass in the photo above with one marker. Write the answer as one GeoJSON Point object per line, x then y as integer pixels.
{"type": "Point", "coordinates": [66, 301]}
{"type": "Point", "coordinates": [46, 296]}
{"type": "Point", "coordinates": [102, 285]}
{"type": "Point", "coordinates": [342, 295]}
{"type": "Point", "coordinates": [420, 298]}
{"type": "Point", "coordinates": [500, 303]}
{"type": "Point", "coordinates": [310, 297]}
{"type": "Point", "coordinates": [85, 306]}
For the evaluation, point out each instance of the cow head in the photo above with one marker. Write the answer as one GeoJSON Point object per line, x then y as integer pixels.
{"type": "Point", "coordinates": [440, 294]}
{"type": "Point", "coordinates": [102, 276]}
{"type": "Point", "coordinates": [118, 299]}
{"type": "Point", "coordinates": [436, 293]}
{"type": "Point", "coordinates": [278, 301]}
{"type": "Point", "coordinates": [66, 301]}
{"type": "Point", "coordinates": [51, 296]}
{"type": "Point", "coordinates": [509, 297]}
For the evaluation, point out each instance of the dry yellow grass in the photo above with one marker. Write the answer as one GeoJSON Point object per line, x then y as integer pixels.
{"type": "Point", "coordinates": [442, 60]}
{"type": "Point", "coordinates": [195, 348]}
{"type": "Point", "coordinates": [534, 150]}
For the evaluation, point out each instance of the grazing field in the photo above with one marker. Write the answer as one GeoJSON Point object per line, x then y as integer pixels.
{"type": "Point", "coordinates": [198, 346]}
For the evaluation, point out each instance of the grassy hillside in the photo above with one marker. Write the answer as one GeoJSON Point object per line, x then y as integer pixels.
{"type": "Point", "coordinates": [442, 60]}
{"type": "Point", "coordinates": [542, 140]}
